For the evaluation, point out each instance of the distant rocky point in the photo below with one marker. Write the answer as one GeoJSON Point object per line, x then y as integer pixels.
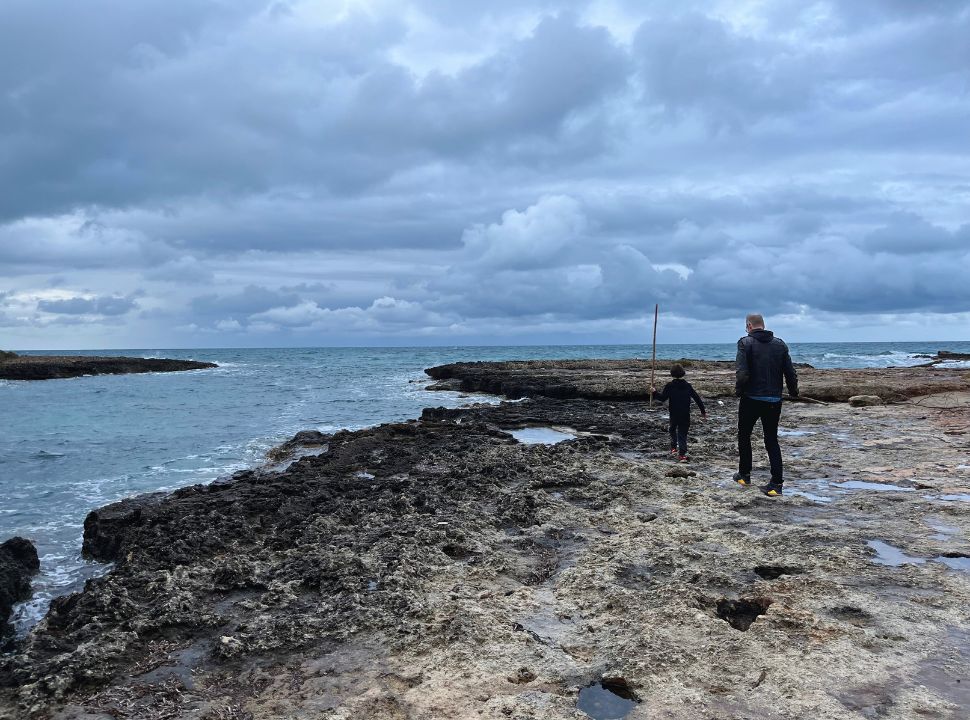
{"type": "Point", "coordinates": [944, 355]}
{"type": "Point", "coordinates": [622, 380]}
{"type": "Point", "coordinates": [51, 367]}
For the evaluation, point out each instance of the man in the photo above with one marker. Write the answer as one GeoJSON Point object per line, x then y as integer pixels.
{"type": "Point", "coordinates": [761, 363]}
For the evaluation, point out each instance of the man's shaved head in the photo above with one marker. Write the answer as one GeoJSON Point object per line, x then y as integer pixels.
{"type": "Point", "coordinates": [756, 321]}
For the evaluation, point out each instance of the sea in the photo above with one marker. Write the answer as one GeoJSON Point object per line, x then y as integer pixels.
{"type": "Point", "coordinates": [70, 446]}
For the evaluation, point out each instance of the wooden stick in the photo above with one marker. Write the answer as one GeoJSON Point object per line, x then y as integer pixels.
{"type": "Point", "coordinates": [803, 398]}
{"type": "Point", "coordinates": [653, 363]}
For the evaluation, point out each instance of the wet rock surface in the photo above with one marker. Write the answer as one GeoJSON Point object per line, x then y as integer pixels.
{"type": "Point", "coordinates": [18, 563]}
{"type": "Point", "coordinates": [441, 569]}
{"type": "Point", "coordinates": [51, 367]}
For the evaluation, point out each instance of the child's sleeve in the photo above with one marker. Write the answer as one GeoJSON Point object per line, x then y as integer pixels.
{"type": "Point", "coordinates": [697, 399]}
{"type": "Point", "coordinates": [662, 395]}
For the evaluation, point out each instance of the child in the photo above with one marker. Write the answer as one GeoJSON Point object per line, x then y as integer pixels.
{"type": "Point", "coordinates": [679, 392]}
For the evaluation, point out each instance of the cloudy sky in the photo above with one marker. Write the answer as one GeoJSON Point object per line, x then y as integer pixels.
{"type": "Point", "coordinates": [215, 173]}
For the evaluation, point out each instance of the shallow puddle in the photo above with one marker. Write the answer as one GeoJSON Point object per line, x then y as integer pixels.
{"type": "Point", "coordinates": [541, 435]}
{"type": "Point", "coordinates": [886, 554]}
{"type": "Point", "coordinates": [878, 487]}
{"type": "Point", "coordinates": [845, 440]}
{"type": "Point", "coordinates": [782, 432]}
{"type": "Point", "coordinates": [610, 699]}
{"type": "Point", "coordinates": [946, 672]}
{"type": "Point", "coordinates": [952, 497]}
{"type": "Point", "coordinates": [955, 563]}
{"type": "Point", "coordinates": [814, 490]}
{"type": "Point", "coordinates": [811, 496]}
{"type": "Point", "coordinates": [943, 531]}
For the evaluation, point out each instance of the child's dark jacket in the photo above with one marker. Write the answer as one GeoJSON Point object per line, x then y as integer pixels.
{"type": "Point", "coordinates": [679, 393]}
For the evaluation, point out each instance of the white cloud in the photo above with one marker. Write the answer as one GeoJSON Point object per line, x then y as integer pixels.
{"type": "Point", "coordinates": [535, 238]}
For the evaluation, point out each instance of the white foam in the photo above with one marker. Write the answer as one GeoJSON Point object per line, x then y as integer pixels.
{"type": "Point", "coordinates": [893, 358]}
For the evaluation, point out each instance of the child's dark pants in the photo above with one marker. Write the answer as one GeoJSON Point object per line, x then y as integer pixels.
{"type": "Point", "coordinates": [749, 412]}
{"type": "Point", "coordinates": [679, 426]}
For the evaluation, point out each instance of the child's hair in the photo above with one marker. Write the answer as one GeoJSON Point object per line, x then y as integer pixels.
{"type": "Point", "coordinates": [677, 370]}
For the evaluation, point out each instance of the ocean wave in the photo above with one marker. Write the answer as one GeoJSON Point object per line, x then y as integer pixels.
{"type": "Point", "coordinates": [882, 359]}
{"type": "Point", "coordinates": [60, 574]}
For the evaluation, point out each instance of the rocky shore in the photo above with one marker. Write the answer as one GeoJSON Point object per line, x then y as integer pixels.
{"type": "Point", "coordinates": [629, 379]}
{"type": "Point", "coordinates": [442, 568]}
{"type": "Point", "coordinates": [18, 563]}
{"type": "Point", "coordinates": [52, 367]}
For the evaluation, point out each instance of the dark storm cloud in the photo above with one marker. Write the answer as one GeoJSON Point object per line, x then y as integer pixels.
{"type": "Point", "coordinates": [251, 300]}
{"type": "Point", "coordinates": [908, 234]}
{"type": "Point", "coordinates": [286, 222]}
{"type": "Point", "coordinates": [529, 90]}
{"type": "Point", "coordinates": [830, 274]}
{"type": "Point", "coordinates": [74, 241]}
{"type": "Point", "coordinates": [88, 306]}
{"type": "Point", "coordinates": [695, 62]}
{"type": "Point", "coordinates": [241, 104]}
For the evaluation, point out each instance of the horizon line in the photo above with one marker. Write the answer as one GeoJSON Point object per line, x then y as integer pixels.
{"type": "Point", "coordinates": [459, 345]}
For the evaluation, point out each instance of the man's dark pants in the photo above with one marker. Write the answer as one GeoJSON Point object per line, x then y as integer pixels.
{"type": "Point", "coordinates": [679, 427]}
{"type": "Point", "coordinates": [769, 413]}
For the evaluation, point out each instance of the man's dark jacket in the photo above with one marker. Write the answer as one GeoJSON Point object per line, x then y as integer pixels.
{"type": "Point", "coordinates": [762, 361]}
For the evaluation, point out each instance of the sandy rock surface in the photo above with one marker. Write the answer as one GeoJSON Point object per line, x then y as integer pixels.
{"type": "Point", "coordinates": [442, 569]}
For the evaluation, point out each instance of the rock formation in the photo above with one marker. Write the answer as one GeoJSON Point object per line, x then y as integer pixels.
{"type": "Point", "coordinates": [50, 367]}
{"type": "Point", "coordinates": [629, 379]}
{"type": "Point", "coordinates": [18, 562]}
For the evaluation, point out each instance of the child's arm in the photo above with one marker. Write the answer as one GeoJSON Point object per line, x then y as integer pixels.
{"type": "Point", "coordinates": [697, 399]}
{"type": "Point", "coordinates": [660, 396]}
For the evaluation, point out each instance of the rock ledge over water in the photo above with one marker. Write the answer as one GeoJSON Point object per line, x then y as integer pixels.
{"type": "Point", "coordinates": [52, 367]}
{"type": "Point", "coordinates": [630, 379]}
